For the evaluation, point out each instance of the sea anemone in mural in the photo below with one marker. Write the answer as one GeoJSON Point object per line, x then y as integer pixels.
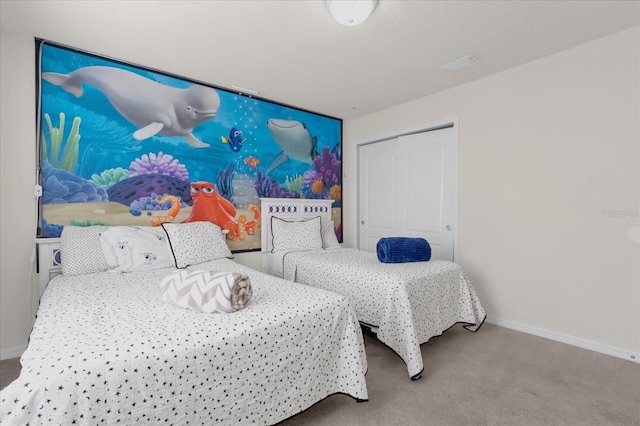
{"type": "Point", "coordinates": [110, 177]}
{"type": "Point", "coordinates": [137, 187]}
{"type": "Point", "coordinates": [269, 188]}
{"type": "Point", "coordinates": [224, 181]}
{"type": "Point", "coordinates": [292, 183]}
{"type": "Point", "coordinates": [159, 164]}
{"type": "Point", "coordinates": [69, 160]}
{"type": "Point", "coordinates": [151, 203]}
{"type": "Point", "coordinates": [61, 186]}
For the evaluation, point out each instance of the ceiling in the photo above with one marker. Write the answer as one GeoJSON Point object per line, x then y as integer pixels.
{"type": "Point", "coordinates": [293, 52]}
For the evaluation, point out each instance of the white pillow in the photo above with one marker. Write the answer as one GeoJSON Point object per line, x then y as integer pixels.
{"type": "Point", "coordinates": [298, 235]}
{"type": "Point", "coordinates": [329, 239]}
{"type": "Point", "coordinates": [196, 242]}
{"type": "Point", "coordinates": [80, 250]}
{"type": "Point", "coordinates": [136, 248]}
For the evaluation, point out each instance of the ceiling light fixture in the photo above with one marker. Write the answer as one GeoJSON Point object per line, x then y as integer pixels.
{"type": "Point", "coordinates": [350, 12]}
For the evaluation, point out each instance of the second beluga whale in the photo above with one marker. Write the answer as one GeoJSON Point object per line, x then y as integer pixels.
{"type": "Point", "coordinates": [155, 108]}
{"type": "Point", "coordinates": [294, 139]}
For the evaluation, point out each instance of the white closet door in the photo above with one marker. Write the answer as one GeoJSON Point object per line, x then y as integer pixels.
{"type": "Point", "coordinates": [408, 188]}
{"type": "Point", "coordinates": [377, 183]}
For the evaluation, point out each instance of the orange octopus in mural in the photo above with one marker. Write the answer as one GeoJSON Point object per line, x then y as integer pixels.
{"type": "Point", "coordinates": [209, 206]}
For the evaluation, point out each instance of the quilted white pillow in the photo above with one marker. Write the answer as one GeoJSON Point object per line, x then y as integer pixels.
{"type": "Point", "coordinates": [329, 239]}
{"type": "Point", "coordinates": [80, 250]}
{"type": "Point", "coordinates": [136, 248]}
{"type": "Point", "coordinates": [196, 242]}
{"type": "Point", "coordinates": [298, 235]}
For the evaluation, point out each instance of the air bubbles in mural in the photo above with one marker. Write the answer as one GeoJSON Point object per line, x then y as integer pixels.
{"type": "Point", "coordinates": [144, 147]}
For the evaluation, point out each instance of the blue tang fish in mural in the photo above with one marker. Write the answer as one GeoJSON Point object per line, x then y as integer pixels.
{"type": "Point", "coordinates": [234, 140]}
{"type": "Point", "coordinates": [294, 139]}
{"type": "Point", "coordinates": [153, 107]}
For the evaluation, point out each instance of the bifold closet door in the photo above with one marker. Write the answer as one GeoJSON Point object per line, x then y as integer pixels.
{"type": "Point", "coordinates": [408, 187]}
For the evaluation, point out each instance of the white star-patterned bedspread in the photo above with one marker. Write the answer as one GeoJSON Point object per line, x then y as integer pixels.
{"type": "Point", "coordinates": [409, 303]}
{"type": "Point", "coordinates": [106, 350]}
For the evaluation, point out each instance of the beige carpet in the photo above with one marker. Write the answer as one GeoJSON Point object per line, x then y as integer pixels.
{"type": "Point", "coordinates": [496, 376]}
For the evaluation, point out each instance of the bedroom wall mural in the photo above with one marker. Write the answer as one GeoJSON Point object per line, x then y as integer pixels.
{"type": "Point", "coordinates": [124, 145]}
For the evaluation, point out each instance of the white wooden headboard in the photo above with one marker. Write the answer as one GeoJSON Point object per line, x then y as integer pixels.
{"type": "Point", "coordinates": [49, 262]}
{"type": "Point", "coordinates": [289, 209]}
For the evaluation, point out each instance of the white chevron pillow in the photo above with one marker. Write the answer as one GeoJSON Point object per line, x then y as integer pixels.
{"type": "Point", "coordinates": [206, 291]}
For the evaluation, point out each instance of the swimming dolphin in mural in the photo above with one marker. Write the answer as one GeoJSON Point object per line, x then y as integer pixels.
{"type": "Point", "coordinates": [153, 107]}
{"type": "Point", "coordinates": [294, 139]}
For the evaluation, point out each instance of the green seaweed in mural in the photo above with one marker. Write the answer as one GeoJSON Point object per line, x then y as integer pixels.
{"type": "Point", "coordinates": [69, 160]}
{"type": "Point", "coordinates": [110, 177]}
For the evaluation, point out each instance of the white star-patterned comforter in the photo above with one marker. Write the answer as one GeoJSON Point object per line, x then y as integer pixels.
{"type": "Point", "coordinates": [409, 303]}
{"type": "Point", "coordinates": [105, 349]}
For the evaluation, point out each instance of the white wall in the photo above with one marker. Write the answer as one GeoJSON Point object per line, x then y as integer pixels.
{"type": "Point", "coordinates": [18, 291]}
{"type": "Point", "coordinates": [545, 148]}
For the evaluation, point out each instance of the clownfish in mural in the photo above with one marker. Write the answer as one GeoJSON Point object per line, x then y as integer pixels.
{"type": "Point", "coordinates": [251, 161]}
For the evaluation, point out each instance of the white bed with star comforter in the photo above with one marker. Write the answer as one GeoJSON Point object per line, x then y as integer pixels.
{"type": "Point", "coordinates": [406, 304]}
{"type": "Point", "coordinates": [105, 349]}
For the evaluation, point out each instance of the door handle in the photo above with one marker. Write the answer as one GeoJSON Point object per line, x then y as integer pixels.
{"type": "Point", "coordinates": [448, 227]}
{"type": "Point", "coordinates": [362, 222]}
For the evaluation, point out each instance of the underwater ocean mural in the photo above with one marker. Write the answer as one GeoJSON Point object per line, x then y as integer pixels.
{"type": "Point", "coordinates": [124, 145]}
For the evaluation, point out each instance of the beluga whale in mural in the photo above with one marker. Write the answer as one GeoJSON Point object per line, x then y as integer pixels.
{"type": "Point", "coordinates": [294, 139]}
{"type": "Point", "coordinates": [155, 108]}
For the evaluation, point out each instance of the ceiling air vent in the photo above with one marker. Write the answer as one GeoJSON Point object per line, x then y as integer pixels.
{"type": "Point", "coordinates": [460, 64]}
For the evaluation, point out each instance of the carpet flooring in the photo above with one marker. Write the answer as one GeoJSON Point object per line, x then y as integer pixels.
{"type": "Point", "coordinates": [496, 376]}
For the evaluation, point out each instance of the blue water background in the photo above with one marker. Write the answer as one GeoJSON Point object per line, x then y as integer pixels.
{"type": "Point", "coordinates": [107, 137]}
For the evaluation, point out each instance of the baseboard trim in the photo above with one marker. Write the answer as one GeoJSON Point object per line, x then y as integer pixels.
{"type": "Point", "coordinates": [564, 338]}
{"type": "Point", "coordinates": [12, 352]}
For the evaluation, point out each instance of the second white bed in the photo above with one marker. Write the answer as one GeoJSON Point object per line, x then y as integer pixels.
{"type": "Point", "coordinates": [405, 303]}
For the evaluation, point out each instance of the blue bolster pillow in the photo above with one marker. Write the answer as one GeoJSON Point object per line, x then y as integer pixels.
{"type": "Point", "coordinates": [403, 249]}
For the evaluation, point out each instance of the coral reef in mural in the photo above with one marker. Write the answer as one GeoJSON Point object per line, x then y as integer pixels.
{"type": "Point", "coordinates": [312, 185]}
{"type": "Point", "coordinates": [50, 230]}
{"type": "Point", "coordinates": [323, 181]}
{"type": "Point", "coordinates": [137, 187]}
{"type": "Point", "coordinates": [329, 166]}
{"type": "Point", "coordinates": [159, 164]}
{"type": "Point", "coordinates": [61, 186]}
{"type": "Point", "coordinates": [107, 178]}
{"type": "Point", "coordinates": [320, 182]}
{"type": "Point", "coordinates": [270, 188]}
